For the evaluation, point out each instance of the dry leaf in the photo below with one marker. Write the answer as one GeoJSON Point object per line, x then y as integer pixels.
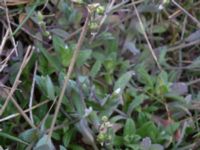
{"type": "Point", "coordinates": [22, 16]}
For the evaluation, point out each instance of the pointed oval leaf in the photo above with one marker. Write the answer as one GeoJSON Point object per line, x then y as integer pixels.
{"type": "Point", "coordinates": [123, 80]}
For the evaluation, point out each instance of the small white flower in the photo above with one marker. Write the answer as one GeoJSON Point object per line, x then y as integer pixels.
{"type": "Point", "coordinates": [88, 111]}
{"type": "Point", "coordinates": [163, 133]}
{"type": "Point", "coordinates": [117, 91]}
{"type": "Point", "coordinates": [160, 7]}
{"type": "Point", "coordinates": [49, 37]}
{"type": "Point", "coordinates": [133, 73]}
{"type": "Point", "coordinates": [66, 46]}
{"type": "Point", "coordinates": [108, 124]}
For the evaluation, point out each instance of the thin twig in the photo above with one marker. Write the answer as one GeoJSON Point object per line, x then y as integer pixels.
{"type": "Point", "coordinates": [4, 41]}
{"type": "Point", "coordinates": [187, 13]}
{"type": "Point", "coordinates": [9, 27]}
{"type": "Point", "coordinates": [32, 92]}
{"type": "Point", "coordinates": [26, 58]}
{"type": "Point", "coordinates": [73, 34]}
{"type": "Point", "coordinates": [20, 110]}
{"type": "Point", "coordinates": [25, 111]}
{"type": "Point", "coordinates": [29, 33]}
{"type": "Point", "coordinates": [146, 37]}
{"type": "Point", "coordinates": [47, 114]}
{"type": "Point", "coordinates": [5, 61]}
{"type": "Point", "coordinates": [193, 82]}
{"type": "Point", "coordinates": [182, 45]}
{"type": "Point", "coordinates": [63, 125]}
{"type": "Point", "coordinates": [45, 5]}
{"type": "Point", "coordinates": [70, 70]}
{"type": "Point", "coordinates": [69, 37]}
{"type": "Point", "coordinates": [26, 18]}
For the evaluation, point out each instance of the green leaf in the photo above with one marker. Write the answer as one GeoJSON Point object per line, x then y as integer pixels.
{"type": "Point", "coordinates": [156, 147]}
{"type": "Point", "coordinates": [46, 86]}
{"type": "Point", "coordinates": [59, 32]}
{"type": "Point", "coordinates": [148, 129]}
{"type": "Point", "coordinates": [110, 65]}
{"type": "Point", "coordinates": [137, 101]}
{"type": "Point", "coordinates": [31, 11]}
{"type": "Point", "coordinates": [98, 56]}
{"type": "Point", "coordinates": [118, 140]}
{"type": "Point", "coordinates": [83, 56]}
{"type": "Point", "coordinates": [95, 68]}
{"type": "Point", "coordinates": [62, 147]}
{"type": "Point", "coordinates": [67, 137]}
{"type": "Point", "coordinates": [123, 80]}
{"type": "Point", "coordinates": [64, 52]}
{"type": "Point", "coordinates": [50, 88]}
{"type": "Point", "coordinates": [58, 44]}
{"type": "Point", "coordinates": [44, 67]}
{"type": "Point", "coordinates": [54, 61]}
{"type": "Point", "coordinates": [162, 56]}
{"type": "Point", "coordinates": [129, 128]}
{"type": "Point", "coordinates": [30, 135]}
{"type": "Point", "coordinates": [134, 146]}
{"type": "Point", "coordinates": [170, 129]}
{"type": "Point", "coordinates": [66, 56]}
{"type": "Point", "coordinates": [161, 28]}
{"type": "Point", "coordinates": [163, 76]}
{"type": "Point", "coordinates": [44, 144]}
{"type": "Point", "coordinates": [144, 77]}
{"type": "Point", "coordinates": [76, 147]}
{"type": "Point", "coordinates": [13, 138]}
{"type": "Point", "coordinates": [86, 132]}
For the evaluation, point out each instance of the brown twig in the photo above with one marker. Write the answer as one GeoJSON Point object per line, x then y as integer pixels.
{"type": "Point", "coordinates": [20, 109]}
{"type": "Point", "coordinates": [187, 13]}
{"type": "Point", "coordinates": [25, 111]}
{"type": "Point", "coordinates": [183, 45]}
{"type": "Point", "coordinates": [146, 37]}
{"type": "Point", "coordinates": [193, 82]}
{"type": "Point", "coordinates": [4, 41]}
{"type": "Point", "coordinates": [16, 82]}
{"type": "Point", "coordinates": [9, 28]}
{"type": "Point", "coordinates": [29, 33]}
{"type": "Point", "coordinates": [73, 34]}
{"type": "Point", "coordinates": [70, 70]}
{"type": "Point", "coordinates": [5, 61]}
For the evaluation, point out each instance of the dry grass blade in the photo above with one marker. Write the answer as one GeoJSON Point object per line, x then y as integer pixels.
{"type": "Point", "coordinates": [187, 13]}
{"type": "Point", "coordinates": [14, 2]}
{"type": "Point", "coordinates": [25, 111]}
{"type": "Point", "coordinates": [9, 27]}
{"type": "Point", "coordinates": [4, 63]}
{"type": "Point", "coordinates": [146, 37]}
{"type": "Point", "coordinates": [4, 41]}
{"type": "Point", "coordinates": [70, 70]}
{"type": "Point", "coordinates": [183, 45]}
{"type": "Point", "coordinates": [19, 109]}
{"type": "Point", "coordinates": [47, 114]}
{"type": "Point", "coordinates": [25, 61]}
{"type": "Point", "coordinates": [32, 92]}
{"type": "Point", "coordinates": [193, 81]}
